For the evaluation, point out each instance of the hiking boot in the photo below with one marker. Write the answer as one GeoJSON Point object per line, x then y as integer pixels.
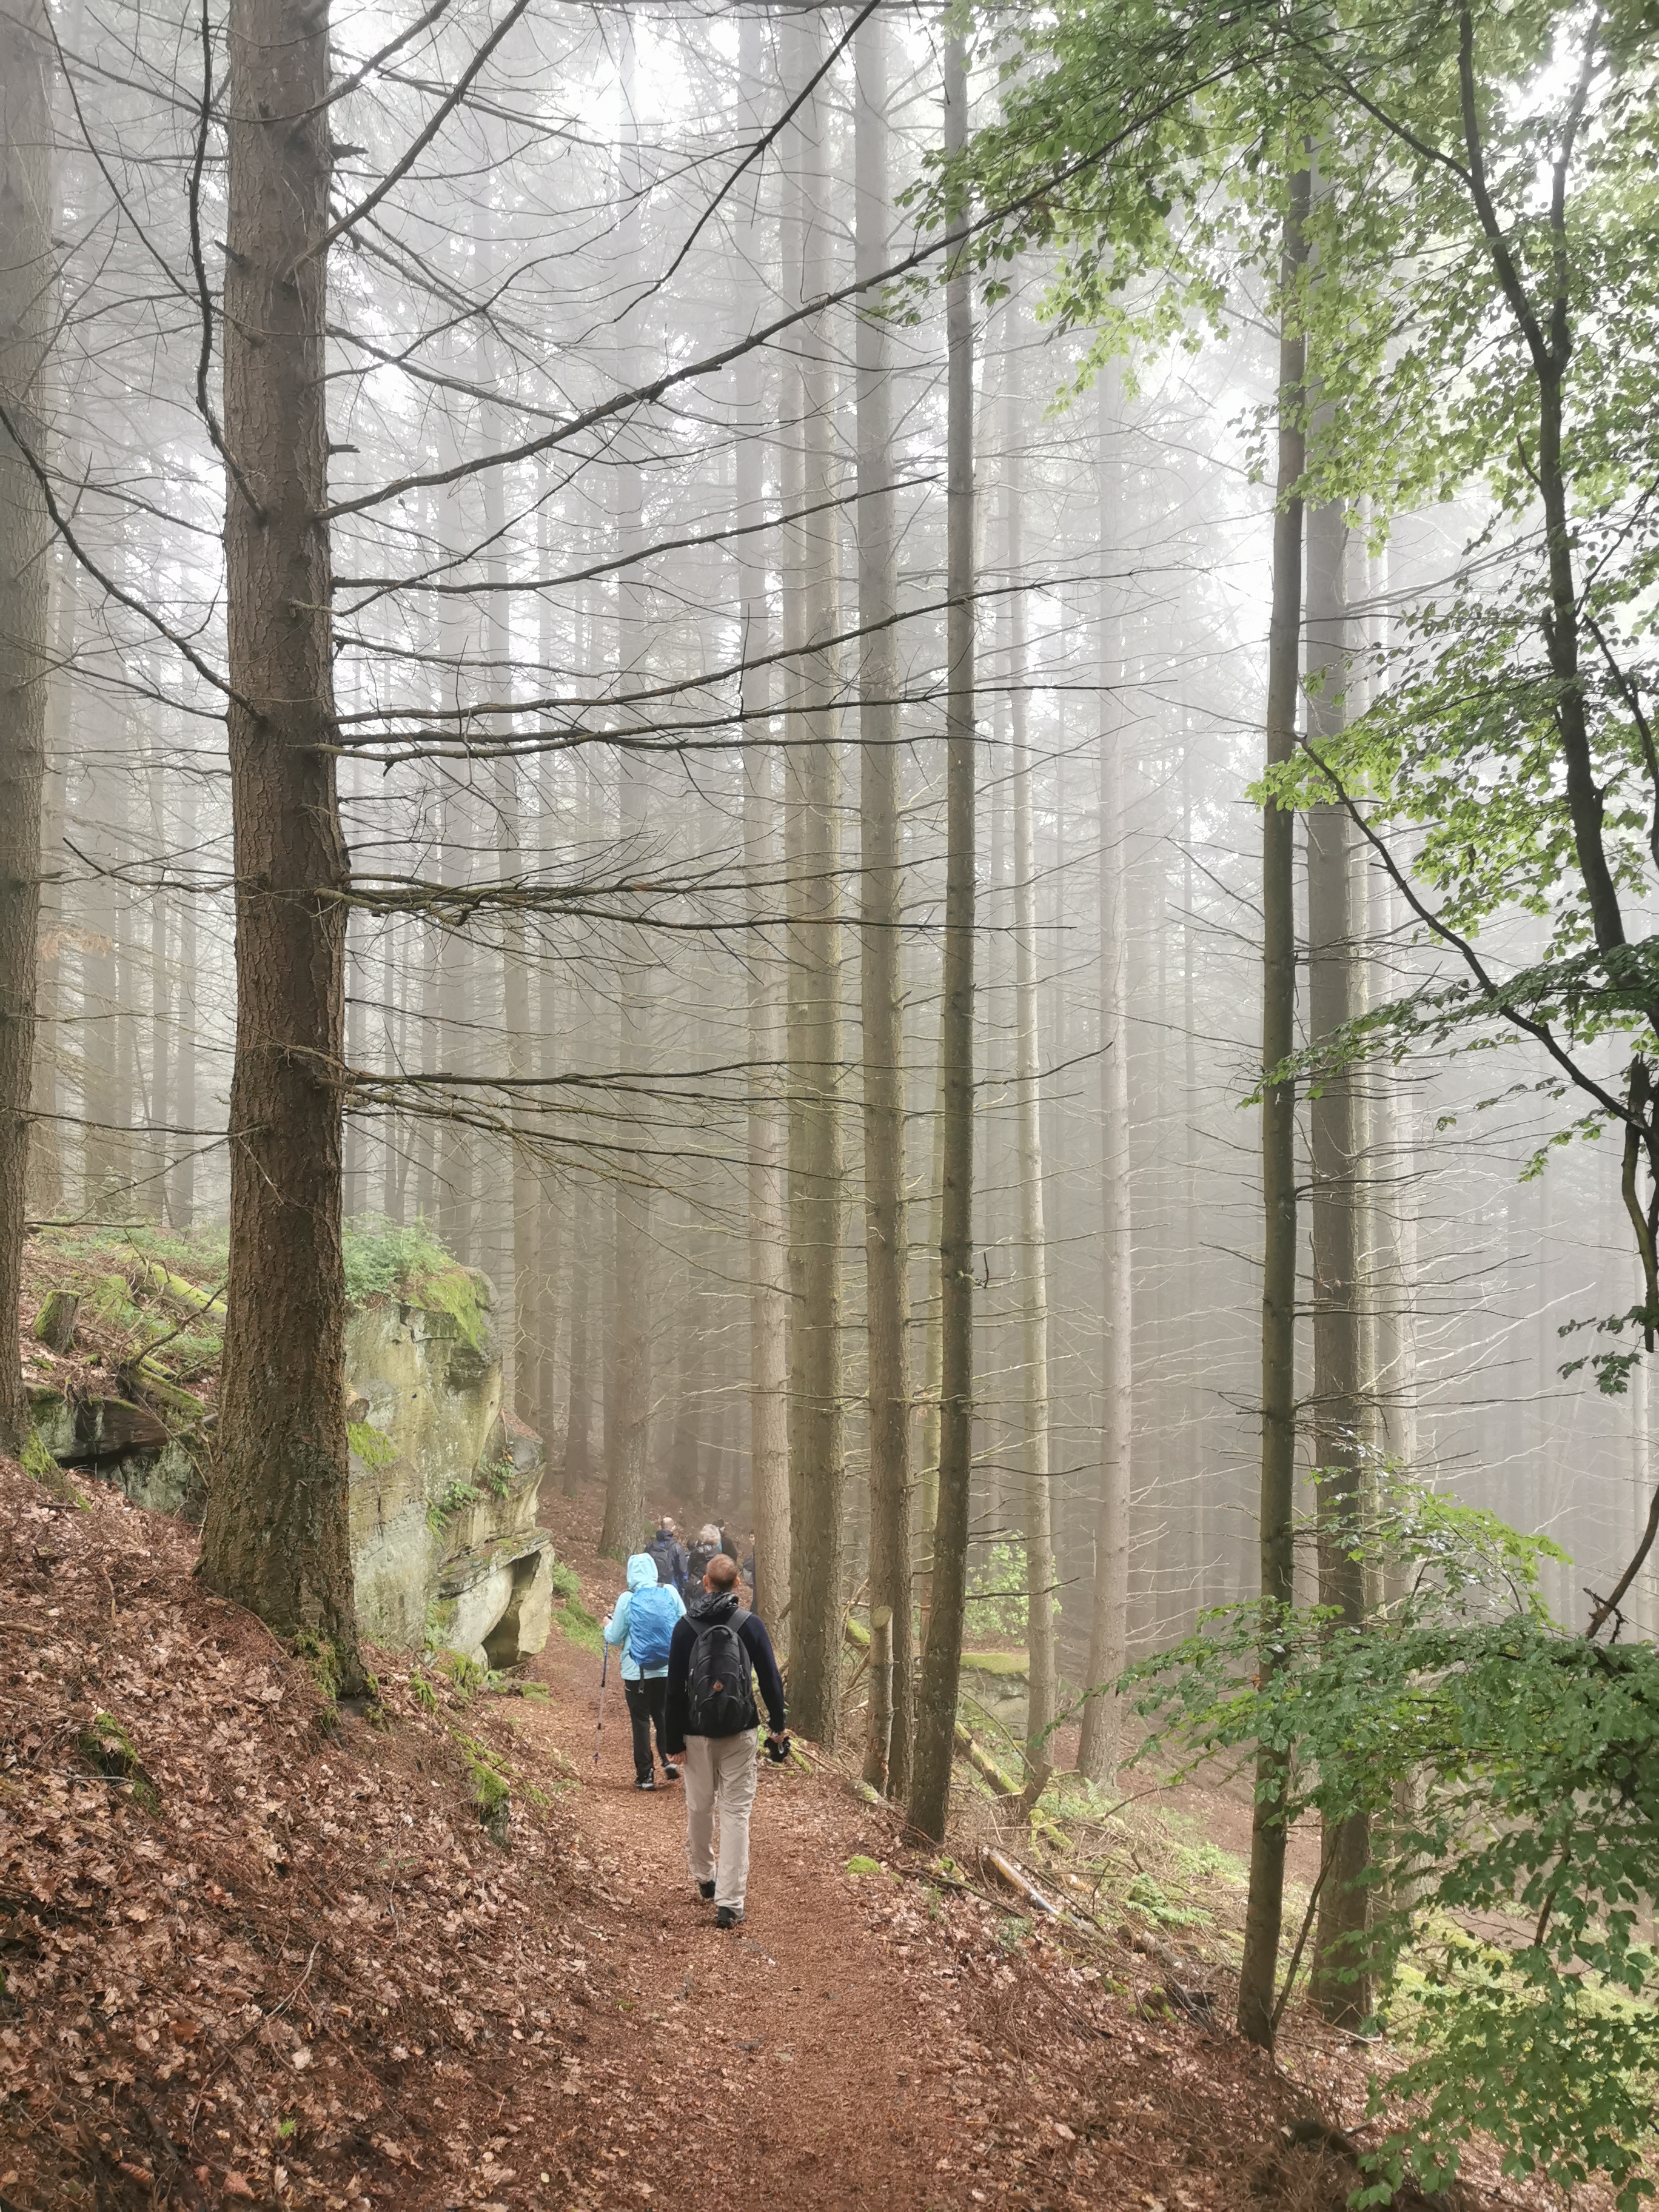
{"type": "Point", "coordinates": [670, 1772]}
{"type": "Point", "coordinates": [706, 1891]}
{"type": "Point", "coordinates": [728, 1915]}
{"type": "Point", "coordinates": [649, 1781]}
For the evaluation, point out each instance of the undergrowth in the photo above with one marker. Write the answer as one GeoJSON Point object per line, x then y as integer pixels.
{"type": "Point", "coordinates": [390, 1259]}
{"type": "Point", "coordinates": [572, 1615]}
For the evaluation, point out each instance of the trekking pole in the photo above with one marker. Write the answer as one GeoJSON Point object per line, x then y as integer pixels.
{"type": "Point", "coordinates": [604, 1669]}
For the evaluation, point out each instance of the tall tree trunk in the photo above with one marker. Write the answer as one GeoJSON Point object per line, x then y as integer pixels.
{"type": "Point", "coordinates": [154, 1192]}
{"type": "Point", "coordinates": [936, 1702]}
{"type": "Point", "coordinates": [277, 1536]}
{"type": "Point", "coordinates": [1033, 1238]}
{"type": "Point", "coordinates": [1339, 1988]}
{"type": "Point", "coordinates": [181, 1195]}
{"type": "Point", "coordinates": [27, 301]}
{"type": "Point", "coordinates": [1099, 1740]}
{"type": "Point", "coordinates": [121, 1012]}
{"type": "Point", "coordinates": [46, 1197]}
{"type": "Point", "coordinates": [768, 1223]}
{"type": "Point", "coordinates": [817, 1468]}
{"type": "Point", "coordinates": [933, 1350]}
{"type": "Point", "coordinates": [579, 1415]}
{"type": "Point", "coordinates": [627, 1440]}
{"type": "Point", "coordinates": [96, 1003]}
{"type": "Point", "coordinates": [1265, 1905]}
{"type": "Point", "coordinates": [886, 1244]}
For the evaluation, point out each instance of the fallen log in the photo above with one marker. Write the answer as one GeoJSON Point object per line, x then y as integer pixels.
{"type": "Point", "coordinates": [171, 1397]}
{"type": "Point", "coordinates": [151, 1275]}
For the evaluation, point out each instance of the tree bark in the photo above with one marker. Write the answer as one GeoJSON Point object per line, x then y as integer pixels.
{"type": "Point", "coordinates": [932, 1351]}
{"type": "Point", "coordinates": [46, 1197]}
{"type": "Point", "coordinates": [816, 1467]}
{"type": "Point", "coordinates": [886, 1241]}
{"type": "Point", "coordinates": [1339, 1990]}
{"type": "Point", "coordinates": [627, 1440]}
{"type": "Point", "coordinates": [1099, 1740]}
{"type": "Point", "coordinates": [768, 1222]}
{"type": "Point", "coordinates": [1265, 1904]}
{"type": "Point", "coordinates": [28, 291]}
{"type": "Point", "coordinates": [181, 1192]}
{"type": "Point", "coordinates": [1033, 1239]}
{"type": "Point", "coordinates": [936, 1704]}
{"type": "Point", "coordinates": [277, 1536]}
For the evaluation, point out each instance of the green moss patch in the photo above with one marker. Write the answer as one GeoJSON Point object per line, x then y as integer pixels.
{"type": "Point", "coordinates": [321, 1662]}
{"type": "Point", "coordinates": [386, 1259]}
{"type": "Point", "coordinates": [110, 1751]}
{"type": "Point", "coordinates": [36, 1460]}
{"type": "Point", "coordinates": [370, 1445]}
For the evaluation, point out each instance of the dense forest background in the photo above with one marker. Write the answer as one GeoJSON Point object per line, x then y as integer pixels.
{"type": "Point", "coordinates": [642, 635]}
{"type": "Point", "coordinates": [492, 626]}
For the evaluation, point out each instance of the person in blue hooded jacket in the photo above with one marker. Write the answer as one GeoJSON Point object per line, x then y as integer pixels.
{"type": "Point", "coordinates": [643, 1622]}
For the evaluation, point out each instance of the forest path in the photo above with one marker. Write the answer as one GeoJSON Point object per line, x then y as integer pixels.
{"type": "Point", "coordinates": [789, 2062]}
{"type": "Point", "coordinates": [875, 2039]}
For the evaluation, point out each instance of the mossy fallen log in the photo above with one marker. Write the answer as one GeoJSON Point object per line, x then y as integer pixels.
{"type": "Point", "coordinates": [151, 1275]}
{"type": "Point", "coordinates": [171, 1398]}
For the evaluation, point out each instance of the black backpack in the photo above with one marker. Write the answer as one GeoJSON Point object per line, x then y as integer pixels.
{"type": "Point", "coordinates": [660, 1552]}
{"type": "Point", "coordinates": [720, 1691]}
{"type": "Point", "coordinates": [697, 1563]}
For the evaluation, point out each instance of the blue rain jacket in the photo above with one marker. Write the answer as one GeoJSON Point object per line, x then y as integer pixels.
{"type": "Point", "coordinates": [642, 1576]}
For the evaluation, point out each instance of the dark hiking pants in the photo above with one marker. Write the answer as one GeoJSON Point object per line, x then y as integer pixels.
{"type": "Point", "coordinates": [647, 1701]}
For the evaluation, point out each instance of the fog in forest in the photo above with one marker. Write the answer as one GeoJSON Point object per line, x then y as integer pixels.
{"type": "Point", "coordinates": [587, 860]}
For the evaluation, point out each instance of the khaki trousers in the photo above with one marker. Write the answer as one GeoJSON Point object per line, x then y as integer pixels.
{"type": "Point", "coordinates": [719, 1771]}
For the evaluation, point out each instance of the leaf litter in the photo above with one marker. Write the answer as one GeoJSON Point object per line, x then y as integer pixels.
{"type": "Point", "coordinates": [256, 1950]}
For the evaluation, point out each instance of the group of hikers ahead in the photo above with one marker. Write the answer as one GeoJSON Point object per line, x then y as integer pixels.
{"type": "Point", "coordinates": [692, 1654]}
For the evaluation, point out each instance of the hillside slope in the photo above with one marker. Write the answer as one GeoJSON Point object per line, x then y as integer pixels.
{"type": "Point", "coordinates": [259, 1950]}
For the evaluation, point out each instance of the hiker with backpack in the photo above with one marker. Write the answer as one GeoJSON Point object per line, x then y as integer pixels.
{"type": "Point", "coordinates": [670, 1554]}
{"type": "Point", "coordinates": [643, 1621]}
{"type": "Point", "coordinates": [707, 1546]}
{"type": "Point", "coordinates": [718, 1654]}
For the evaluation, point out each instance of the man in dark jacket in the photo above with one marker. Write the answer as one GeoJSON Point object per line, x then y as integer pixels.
{"type": "Point", "coordinates": [711, 1719]}
{"type": "Point", "coordinates": [667, 1549]}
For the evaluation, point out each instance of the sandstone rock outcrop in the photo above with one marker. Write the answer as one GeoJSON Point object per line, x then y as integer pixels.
{"type": "Point", "coordinates": [445, 1485]}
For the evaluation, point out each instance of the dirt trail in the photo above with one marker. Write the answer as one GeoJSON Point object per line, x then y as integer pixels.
{"type": "Point", "coordinates": [787, 2058]}
{"type": "Point", "coordinates": [258, 1950]}
{"type": "Point", "coordinates": [880, 2038]}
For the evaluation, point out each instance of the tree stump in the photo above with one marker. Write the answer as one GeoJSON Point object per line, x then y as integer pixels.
{"type": "Point", "coordinates": [54, 1325]}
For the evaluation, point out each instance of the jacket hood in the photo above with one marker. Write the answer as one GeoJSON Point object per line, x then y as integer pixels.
{"type": "Point", "coordinates": [642, 1572]}
{"type": "Point", "coordinates": [713, 1605]}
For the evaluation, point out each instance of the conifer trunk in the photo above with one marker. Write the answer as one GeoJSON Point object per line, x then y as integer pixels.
{"type": "Point", "coordinates": [936, 1702]}
{"type": "Point", "coordinates": [1033, 1238]}
{"type": "Point", "coordinates": [27, 297]}
{"type": "Point", "coordinates": [886, 1244]}
{"type": "Point", "coordinates": [1099, 1744]}
{"type": "Point", "coordinates": [1265, 1904]}
{"type": "Point", "coordinates": [276, 1537]}
{"type": "Point", "coordinates": [817, 1469]}
{"type": "Point", "coordinates": [627, 1436]}
{"type": "Point", "coordinates": [1339, 1988]}
{"type": "Point", "coordinates": [768, 1224]}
